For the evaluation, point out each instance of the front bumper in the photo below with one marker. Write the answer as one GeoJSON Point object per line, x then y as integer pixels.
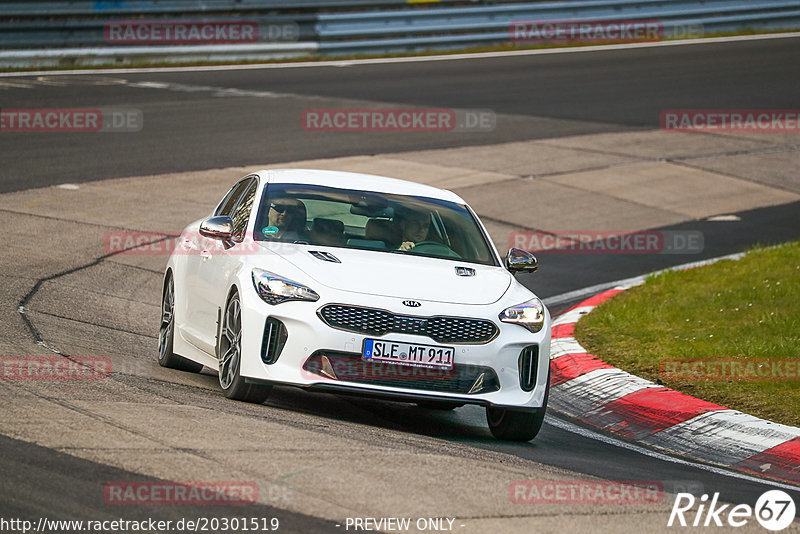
{"type": "Point", "coordinates": [495, 364]}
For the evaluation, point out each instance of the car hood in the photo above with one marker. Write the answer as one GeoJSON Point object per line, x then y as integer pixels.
{"type": "Point", "coordinates": [398, 275]}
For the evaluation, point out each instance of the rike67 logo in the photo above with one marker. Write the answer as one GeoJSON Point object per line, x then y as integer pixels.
{"type": "Point", "coordinates": [774, 510]}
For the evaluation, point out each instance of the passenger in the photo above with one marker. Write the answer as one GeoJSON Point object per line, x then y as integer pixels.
{"type": "Point", "coordinates": [414, 228]}
{"type": "Point", "coordinates": [288, 215]}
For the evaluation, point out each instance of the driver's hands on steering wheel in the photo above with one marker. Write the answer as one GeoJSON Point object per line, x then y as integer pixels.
{"type": "Point", "coordinates": [406, 245]}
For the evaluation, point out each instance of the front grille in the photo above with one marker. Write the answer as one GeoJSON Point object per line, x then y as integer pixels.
{"type": "Point", "coordinates": [376, 322]}
{"type": "Point", "coordinates": [350, 367]}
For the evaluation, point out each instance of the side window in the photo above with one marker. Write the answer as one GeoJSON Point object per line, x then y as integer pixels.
{"type": "Point", "coordinates": [229, 202]}
{"type": "Point", "coordinates": [242, 213]}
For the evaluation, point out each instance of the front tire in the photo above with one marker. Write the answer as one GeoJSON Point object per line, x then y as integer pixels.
{"type": "Point", "coordinates": [510, 425]}
{"type": "Point", "coordinates": [230, 349]}
{"type": "Point", "coordinates": [166, 334]}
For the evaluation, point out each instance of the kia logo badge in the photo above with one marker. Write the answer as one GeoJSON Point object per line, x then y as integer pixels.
{"type": "Point", "coordinates": [411, 303]}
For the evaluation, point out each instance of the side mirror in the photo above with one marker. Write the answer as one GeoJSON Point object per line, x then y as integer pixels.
{"type": "Point", "coordinates": [521, 261]}
{"type": "Point", "coordinates": [217, 227]}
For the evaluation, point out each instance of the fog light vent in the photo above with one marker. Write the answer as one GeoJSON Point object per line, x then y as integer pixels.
{"type": "Point", "coordinates": [274, 340]}
{"type": "Point", "coordinates": [528, 362]}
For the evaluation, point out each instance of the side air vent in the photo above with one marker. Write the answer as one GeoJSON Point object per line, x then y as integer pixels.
{"type": "Point", "coordinates": [324, 256]}
{"type": "Point", "coordinates": [274, 340]}
{"type": "Point", "coordinates": [528, 362]}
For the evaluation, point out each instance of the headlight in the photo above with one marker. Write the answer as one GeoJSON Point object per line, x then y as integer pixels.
{"type": "Point", "coordinates": [274, 289]}
{"type": "Point", "coordinates": [530, 315]}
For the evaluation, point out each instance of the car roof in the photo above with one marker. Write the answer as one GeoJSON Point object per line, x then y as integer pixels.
{"type": "Point", "coordinates": [359, 181]}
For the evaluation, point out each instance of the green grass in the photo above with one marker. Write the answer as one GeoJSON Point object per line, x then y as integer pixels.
{"type": "Point", "coordinates": [743, 310]}
{"type": "Point", "coordinates": [69, 64]}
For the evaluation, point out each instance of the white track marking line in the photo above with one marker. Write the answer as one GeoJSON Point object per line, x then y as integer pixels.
{"type": "Point", "coordinates": [575, 429]}
{"type": "Point", "coordinates": [214, 90]}
{"type": "Point", "coordinates": [725, 437]}
{"type": "Point", "coordinates": [562, 346]}
{"type": "Point", "coordinates": [572, 316]}
{"type": "Point", "coordinates": [17, 84]}
{"type": "Point", "coordinates": [413, 59]}
{"type": "Point", "coordinates": [590, 392]}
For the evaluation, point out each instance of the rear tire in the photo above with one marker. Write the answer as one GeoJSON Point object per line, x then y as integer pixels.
{"type": "Point", "coordinates": [230, 349]}
{"type": "Point", "coordinates": [510, 425]}
{"type": "Point", "coordinates": [166, 334]}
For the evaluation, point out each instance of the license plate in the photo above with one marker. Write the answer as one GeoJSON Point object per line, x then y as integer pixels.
{"type": "Point", "coordinates": [415, 355]}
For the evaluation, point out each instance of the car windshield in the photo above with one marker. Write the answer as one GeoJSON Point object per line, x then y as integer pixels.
{"type": "Point", "coordinates": [346, 218]}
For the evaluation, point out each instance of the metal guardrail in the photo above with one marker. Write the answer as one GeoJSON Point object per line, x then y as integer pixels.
{"type": "Point", "coordinates": [500, 16]}
{"type": "Point", "coordinates": [90, 32]}
{"type": "Point", "coordinates": [79, 38]}
{"type": "Point", "coordinates": [36, 8]}
{"type": "Point", "coordinates": [456, 26]}
{"type": "Point", "coordinates": [156, 54]}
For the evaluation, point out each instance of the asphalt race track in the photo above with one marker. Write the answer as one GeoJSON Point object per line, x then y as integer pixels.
{"type": "Point", "coordinates": [198, 123]}
{"type": "Point", "coordinates": [201, 120]}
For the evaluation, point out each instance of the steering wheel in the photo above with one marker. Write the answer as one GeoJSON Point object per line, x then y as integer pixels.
{"type": "Point", "coordinates": [435, 248]}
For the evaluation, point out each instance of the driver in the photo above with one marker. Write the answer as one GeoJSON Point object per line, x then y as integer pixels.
{"type": "Point", "coordinates": [288, 215]}
{"type": "Point", "coordinates": [414, 228]}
